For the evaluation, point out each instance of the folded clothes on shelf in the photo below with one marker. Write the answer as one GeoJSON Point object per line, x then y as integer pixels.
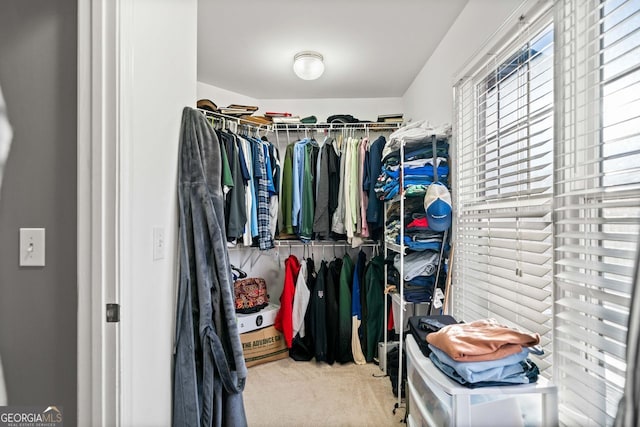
{"type": "Point", "coordinates": [414, 134]}
{"type": "Point", "coordinates": [417, 174]}
{"type": "Point", "coordinates": [418, 264]}
{"type": "Point", "coordinates": [393, 278]}
{"type": "Point", "coordinates": [421, 245]}
{"type": "Point", "coordinates": [417, 295]}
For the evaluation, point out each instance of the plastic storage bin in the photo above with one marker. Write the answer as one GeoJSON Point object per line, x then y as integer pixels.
{"type": "Point", "coordinates": [436, 400]}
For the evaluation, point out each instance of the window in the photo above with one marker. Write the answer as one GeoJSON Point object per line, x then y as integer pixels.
{"type": "Point", "coordinates": [548, 195]}
{"type": "Point", "coordinates": [597, 181]}
{"type": "Point", "coordinates": [503, 235]}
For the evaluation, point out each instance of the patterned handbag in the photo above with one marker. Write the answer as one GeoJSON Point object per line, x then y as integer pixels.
{"type": "Point", "coordinates": [251, 295]}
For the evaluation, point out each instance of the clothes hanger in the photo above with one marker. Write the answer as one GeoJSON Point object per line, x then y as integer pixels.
{"type": "Point", "coordinates": [241, 273]}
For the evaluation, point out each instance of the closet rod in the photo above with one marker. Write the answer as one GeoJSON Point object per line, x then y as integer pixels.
{"type": "Point", "coordinates": [338, 126]}
{"type": "Point", "coordinates": [240, 121]}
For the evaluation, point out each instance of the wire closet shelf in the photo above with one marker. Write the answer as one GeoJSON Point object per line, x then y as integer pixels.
{"type": "Point", "coordinates": [275, 127]}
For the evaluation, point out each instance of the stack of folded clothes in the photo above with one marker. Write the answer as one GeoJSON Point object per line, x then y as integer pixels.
{"type": "Point", "coordinates": [420, 163]}
{"type": "Point", "coordinates": [419, 274]}
{"type": "Point", "coordinates": [417, 234]}
{"type": "Point", "coordinates": [418, 289]}
{"type": "Point", "coordinates": [485, 353]}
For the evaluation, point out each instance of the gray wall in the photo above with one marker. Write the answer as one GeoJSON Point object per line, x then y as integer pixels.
{"type": "Point", "coordinates": [38, 305]}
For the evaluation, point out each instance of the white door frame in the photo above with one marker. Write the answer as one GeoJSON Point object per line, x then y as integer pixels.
{"type": "Point", "coordinates": [98, 194]}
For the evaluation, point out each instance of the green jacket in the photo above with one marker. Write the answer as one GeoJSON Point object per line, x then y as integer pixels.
{"type": "Point", "coordinates": [286, 195]}
{"type": "Point", "coordinates": [374, 290]}
{"type": "Point", "coordinates": [343, 352]}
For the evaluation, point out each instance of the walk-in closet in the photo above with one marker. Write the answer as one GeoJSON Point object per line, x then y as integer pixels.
{"type": "Point", "coordinates": [412, 234]}
{"type": "Point", "coordinates": [339, 213]}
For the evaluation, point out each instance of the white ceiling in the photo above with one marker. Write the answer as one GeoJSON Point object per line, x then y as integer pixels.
{"type": "Point", "coordinates": [371, 48]}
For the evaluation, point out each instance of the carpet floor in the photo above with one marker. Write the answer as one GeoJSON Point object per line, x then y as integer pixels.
{"type": "Point", "coordinates": [289, 393]}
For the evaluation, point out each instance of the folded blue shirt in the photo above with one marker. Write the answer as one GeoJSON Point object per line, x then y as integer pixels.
{"type": "Point", "coordinates": [422, 281]}
{"type": "Point", "coordinates": [419, 245]}
{"type": "Point", "coordinates": [521, 372]}
{"type": "Point", "coordinates": [488, 370]}
{"type": "Point", "coordinates": [423, 295]}
{"type": "Point", "coordinates": [419, 171]}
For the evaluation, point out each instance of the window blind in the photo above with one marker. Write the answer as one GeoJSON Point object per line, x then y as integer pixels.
{"type": "Point", "coordinates": [504, 188]}
{"type": "Point", "coordinates": [597, 200]}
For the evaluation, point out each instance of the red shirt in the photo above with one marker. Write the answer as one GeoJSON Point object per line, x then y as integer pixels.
{"type": "Point", "coordinates": [284, 318]}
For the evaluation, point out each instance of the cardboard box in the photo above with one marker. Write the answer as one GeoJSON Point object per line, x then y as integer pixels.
{"type": "Point", "coordinates": [261, 319]}
{"type": "Point", "coordinates": [263, 345]}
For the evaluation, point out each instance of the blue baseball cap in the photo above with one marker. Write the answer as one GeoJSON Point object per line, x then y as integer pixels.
{"type": "Point", "coordinates": [437, 205]}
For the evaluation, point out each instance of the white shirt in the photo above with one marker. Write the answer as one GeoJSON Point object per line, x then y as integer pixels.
{"type": "Point", "coordinates": [300, 301]}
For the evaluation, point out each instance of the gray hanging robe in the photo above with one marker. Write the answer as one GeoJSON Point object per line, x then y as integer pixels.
{"type": "Point", "coordinates": [209, 368]}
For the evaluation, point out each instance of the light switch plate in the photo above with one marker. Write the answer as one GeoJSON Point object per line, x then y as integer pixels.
{"type": "Point", "coordinates": [32, 247]}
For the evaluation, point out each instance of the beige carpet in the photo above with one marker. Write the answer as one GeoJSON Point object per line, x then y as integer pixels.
{"type": "Point", "coordinates": [290, 393]}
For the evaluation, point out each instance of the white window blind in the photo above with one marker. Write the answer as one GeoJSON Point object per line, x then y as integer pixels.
{"type": "Point", "coordinates": [504, 188]}
{"type": "Point", "coordinates": [597, 200]}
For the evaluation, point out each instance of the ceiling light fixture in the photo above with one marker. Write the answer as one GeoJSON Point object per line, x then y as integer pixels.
{"type": "Point", "coordinates": [308, 65]}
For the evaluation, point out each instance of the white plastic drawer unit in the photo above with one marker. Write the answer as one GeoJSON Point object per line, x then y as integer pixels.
{"type": "Point", "coordinates": [435, 400]}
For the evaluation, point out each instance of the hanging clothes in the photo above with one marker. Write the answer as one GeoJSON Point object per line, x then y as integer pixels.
{"type": "Point", "coordinates": [375, 206]}
{"type": "Point", "coordinates": [235, 212]}
{"type": "Point", "coordinates": [349, 198]}
{"type": "Point", "coordinates": [274, 200]}
{"type": "Point", "coordinates": [334, 178]}
{"type": "Point", "coordinates": [374, 291]}
{"type": "Point", "coordinates": [284, 319]}
{"type": "Point", "coordinates": [209, 368]}
{"type": "Point", "coordinates": [286, 201]}
{"type": "Point", "coordinates": [332, 288]}
{"type": "Point", "coordinates": [354, 193]}
{"type": "Point", "coordinates": [356, 310]}
{"type": "Point", "coordinates": [227, 178]}
{"type": "Point", "coordinates": [298, 177]}
{"type": "Point", "coordinates": [247, 236]}
{"type": "Point", "coordinates": [343, 352]}
{"type": "Point", "coordinates": [364, 196]}
{"type": "Point", "coordinates": [265, 239]}
{"type": "Point", "coordinates": [362, 330]}
{"type": "Point", "coordinates": [321, 219]}
{"type": "Point", "coordinates": [318, 320]}
{"type": "Point", "coordinates": [338, 220]}
{"type": "Point", "coordinates": [312, 278]}
{"type": "Point", "coordinates": [302, 346]}
{"type": "Point", "coordinates": [300, 301]}
{"type": "Point", "coordinates": [307, 206]}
